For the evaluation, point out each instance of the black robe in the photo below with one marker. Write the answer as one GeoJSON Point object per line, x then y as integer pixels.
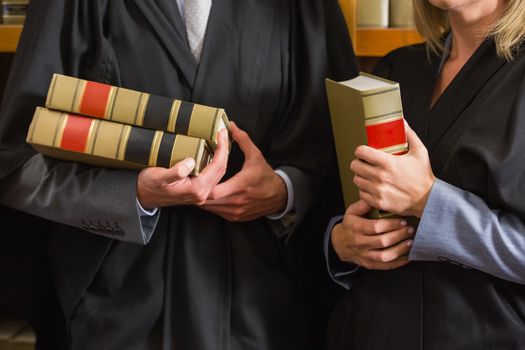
{"type": "Point", "coordinates": [475, 137]}
{"type": "Point", "coordinates": [201, 282]}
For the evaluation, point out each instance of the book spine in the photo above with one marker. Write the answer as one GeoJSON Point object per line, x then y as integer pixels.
{"type": "Point", "coordinates": [131, 107]}
{"type": "Point", "coordinates": [384, 122]}
{"type": "Point", "coordinates": [110, 144]}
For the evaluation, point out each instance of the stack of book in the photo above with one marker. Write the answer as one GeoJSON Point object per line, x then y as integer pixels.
{"type": "Point", "coordinates": [13, 11]}
{"type": "Point", "coordinates": [108, 126]}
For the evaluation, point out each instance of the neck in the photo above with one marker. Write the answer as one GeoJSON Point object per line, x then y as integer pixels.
{"type": "Point", "coordinates": [470, 25]}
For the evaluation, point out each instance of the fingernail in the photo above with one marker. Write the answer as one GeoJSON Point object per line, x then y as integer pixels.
{"type": "Point", "coordinates": [403, 223]}
{"type": "Point", "coordinates": [409, 243]}
{"type": "Point", "coordinates": [189, 163]}
{"type": "Point", "coordinates": [411, 230]}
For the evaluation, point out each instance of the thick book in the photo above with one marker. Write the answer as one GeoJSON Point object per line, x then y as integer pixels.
{"type": "Point", "coordinates": [372, 13]}
{"type": "Point", "coordinates": [136, 108]}
{"type": "Point", "coordinates": [401, 14]}
{"type": "Point", "coordinates": [109, 144]}
{"type": "Point", "coordinates": [365, 110]}
{"type": "Point", "coordinates": [13, 11]}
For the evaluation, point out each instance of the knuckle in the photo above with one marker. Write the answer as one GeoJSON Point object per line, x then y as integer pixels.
{"type": "Point", "coordinates": [385, 257]}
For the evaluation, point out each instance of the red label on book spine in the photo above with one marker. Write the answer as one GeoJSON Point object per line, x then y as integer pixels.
{"type": "Point", "coordinates": [386, 134]}
{"type": "Point", "coordinates": [95, 99]}
{"type": "Point", "coordinates": [76, 133]}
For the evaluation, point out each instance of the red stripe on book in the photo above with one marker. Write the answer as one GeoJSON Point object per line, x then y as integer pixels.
{"type": "Point", "coordinates": [76, 133]}
{"type": "Point", "coordinates": [95, 99]}
{"type": "Point", "coordinates": [386, 134]}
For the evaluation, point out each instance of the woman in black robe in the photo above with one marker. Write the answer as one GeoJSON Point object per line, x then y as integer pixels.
{"type": "Point", "coordinates": [462, 285]}
{"type": "Point", "coordinates": [201, 282]}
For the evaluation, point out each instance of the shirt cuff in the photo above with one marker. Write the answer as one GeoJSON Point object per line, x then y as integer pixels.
{"type": "Point", "coordinates": [148, 221]}
{"type": "Point", "coordinates": [290, 200]}
{"type": "Point", "coordinates": [340, 272]}
{"type": "Point", "coordinates": [144, 212]}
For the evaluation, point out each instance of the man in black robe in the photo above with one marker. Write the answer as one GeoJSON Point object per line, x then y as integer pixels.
{"type": "Point", "coordinates": [201, 282]}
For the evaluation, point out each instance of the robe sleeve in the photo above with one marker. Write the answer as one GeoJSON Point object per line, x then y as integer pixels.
{"type": "Point", "coordinates": [62, 36]}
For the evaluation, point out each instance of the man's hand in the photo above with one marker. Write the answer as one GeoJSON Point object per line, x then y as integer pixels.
{"type": "Point", "coordinates": [253, 192]}
{"type": "Point", "coordinates": [397, 184]}
{"type": "Point", "coordinates": [160, 187]}
{"type": "Point", "coordinates": [381, 244]}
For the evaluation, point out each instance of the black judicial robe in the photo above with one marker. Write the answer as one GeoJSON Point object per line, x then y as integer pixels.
{"type": "Point", "coordinates": [201, 282]}
{"type": "Point", "coordinates": [475, 137]}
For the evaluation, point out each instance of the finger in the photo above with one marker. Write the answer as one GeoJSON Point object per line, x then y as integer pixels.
{"type": "Point", "coordinates": [414, 142]}
{"type": "Point", "coordinates": [228, 201]}
{"type": "Point", "coordinates": [379, 226]}
{"type": "Point", "coordinates": [389, 265]}
{"type": "Point", "coordinates": [371, 200]}
{"type": "Point", "coordinates": [214, 172]}
{"type": "Point", "coordinates": [392, 253]}
{"type": "Point", "coordinates": [364, 169]}
{"type": "Point", "coordinates": [365, 184]}
{"type": "Point", "coordinates": [228, 188]}
{"type": "Point", "coordinates": [389, 239]}
{"type": "Point", "coordinates": [177, 172]}
{"type": "Point", "coordinates": [359, 208]}
{"type": "Point", "coordinates": [371, 155]}
{"type": "Point", "coordinates": [244, 141]}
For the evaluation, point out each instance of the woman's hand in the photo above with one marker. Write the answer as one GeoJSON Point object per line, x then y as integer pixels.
{"type": "Point", "coordinates": [161, 187]}
{"type": "Point", "coordinates": [381, 244]}
{"type": "Point", "coordinates": [397, 184]}
{"type": "Point", "coordinates": [253, 192]}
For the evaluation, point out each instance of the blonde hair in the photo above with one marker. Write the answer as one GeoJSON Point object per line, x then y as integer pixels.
{"type": "Point", "coordinates": [508, 31]}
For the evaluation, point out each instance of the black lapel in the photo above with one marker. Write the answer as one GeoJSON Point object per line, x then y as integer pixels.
{"type": "Point", "coordinates": [475, 74]}
{"type": "Point", "coordinates": [232, 43]}
{"type": "Point", "coordinates": [418, 90]}
{"type": "Point", "coordinates": [172, 33]}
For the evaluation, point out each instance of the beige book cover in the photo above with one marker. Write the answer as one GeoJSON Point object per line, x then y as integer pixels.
{"type": "Point", "coordinates": [365, 110]}
{"type": "Point", "coordinates": [93, 99]}
{"type": "Point", "coordinates": [108, 144]}
{"type": "Point", "coordinates": [372, 13]}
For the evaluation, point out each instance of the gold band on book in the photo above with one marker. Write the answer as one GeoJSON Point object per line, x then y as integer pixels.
{"type": "Point", "coordinates": [172, 121]}
{"type": "Point", "coordinates": [155, 146]}
{"type": "Point", "coordinates": [398, 115]}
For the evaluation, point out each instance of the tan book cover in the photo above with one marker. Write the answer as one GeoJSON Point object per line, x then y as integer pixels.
{"type": "Point", "coordinates": [372, 13]}
{"type": "Point", "coordinates": [136, 108]}
{"type": "Point", "coordinates": [401, 14]}
{"type": "Point", "coordinates": [365, 110]}
{"type": "Point", "coordinates": [109, 144]}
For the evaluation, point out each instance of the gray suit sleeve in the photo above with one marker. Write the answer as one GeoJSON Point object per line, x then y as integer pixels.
{"type": "Point", "coordinates": [97, 200]}
{"type": "Point", "coordinates": [459, 227]}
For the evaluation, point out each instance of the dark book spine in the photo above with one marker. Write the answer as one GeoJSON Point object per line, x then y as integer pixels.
{"type": "Point", "coordinates": [110, 144]}
{"type": "Point", "coordinates": [131, 107]}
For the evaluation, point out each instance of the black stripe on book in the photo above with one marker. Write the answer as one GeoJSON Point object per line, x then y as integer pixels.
{"type": "Point", "coordinates": [166, 145]}
{"type": "Point", "coordinates": [157, 112]}
{"type": "Point", "coordinates": [183, 118]}
{"type": "Point", "coordinates": [139, 145]}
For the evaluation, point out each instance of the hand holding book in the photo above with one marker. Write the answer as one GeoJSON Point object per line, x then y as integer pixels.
{"type": "Point", "coordinates": [161, 187]}
{"type": "Point", "coordinates": [397, 184]}
{"type": "Point", "coordinates": [253, 192]}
